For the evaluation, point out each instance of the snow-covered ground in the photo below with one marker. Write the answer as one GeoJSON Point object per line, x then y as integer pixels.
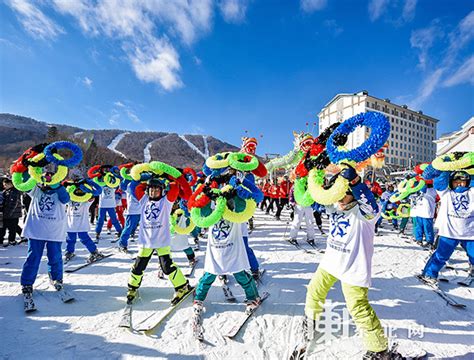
{"type": "Point", "coordinates": [87, 327]}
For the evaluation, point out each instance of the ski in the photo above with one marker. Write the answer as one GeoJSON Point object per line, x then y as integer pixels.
{"type": "Point", "coordinates": [190, 270]}
{"type": "Point", "coordinates": [467, 281]}
{"type": "Point", "coordinates": [28, 303]}
{"type": "Point", "coordinates": [64, 295]}
{"type": "Point", "coordinates": [126, 319]}
{"type": "Point", "coordinates": [66, 261]}
{"type": "Point", "coordinates": [442, 294]}
{"type": "Point", "coordinates": [82, 266]}
{"type": "Point", "coordinates": [235, 329]}
{"type": "Point", "coordinates": [299, 247]}
{"type": "Point", "coordinates": [313, 245]}
{"type": "Point", "coordinates": [152, 322]}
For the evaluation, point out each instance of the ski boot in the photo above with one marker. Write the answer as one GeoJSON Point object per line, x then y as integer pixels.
{"type": "Point", "coordinates": [252, 305]}
{"type": "Point", "coordinates": [109, 231]}
{"type": "Point", "coordinates": [161, 274]}
{"type": "Point", "coordinates": [293, 241]}
{"type": "Point", "coordinates": [311, 242]}
{"type": "Point", "coordinates": [58, 284]}
{"type": "Point", "coordinates": [180, 292]}
{"type": "Point", "coordinates": [28, 302]}
{"type": "Point", "coordinates": [196, 322]}
{"type": "Point", "coordinates": [430, 281]}
{"type": "Point", "coordinates": [321, 230]}
{"type": "Point", "coordinates": [309, 329]}
{"type": "Point", "coordinates": [131, 295]}
{"type": "Point", "coordinates": [97, 237]}
{"type": "Point", "coordinates": [428, 246]}
{"type": "Point", "coordinates": [256, 275]}
{"type": "Point", "coordinates": [27, 290]}
{"type": "Point", "coordinates": [192, 262]}
{"type": "Point", "coordinates": [392, 354]}
{"type": "Point", "coordinates": [96, 255]}
{"type": "Point", "coordinates": [123, 249]}
{"type": "Point", "coordinates": [68, 256]}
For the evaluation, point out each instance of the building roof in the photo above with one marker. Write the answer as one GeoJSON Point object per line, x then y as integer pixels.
{"type": "Point", "coordinates": [365, 93]}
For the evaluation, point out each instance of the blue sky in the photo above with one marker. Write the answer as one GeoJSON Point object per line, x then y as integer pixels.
{"type": "Point", "coordinates": [223, 67]}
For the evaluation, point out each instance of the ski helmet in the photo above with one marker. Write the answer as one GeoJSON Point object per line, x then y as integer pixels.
{"type": "Point", "coordinates": [460, 175]}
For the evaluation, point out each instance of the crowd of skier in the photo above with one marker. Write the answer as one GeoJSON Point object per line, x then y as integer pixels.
{"type": "Point", "coordinates": [163, 208]}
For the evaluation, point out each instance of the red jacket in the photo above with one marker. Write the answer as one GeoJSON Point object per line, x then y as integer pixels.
{"type": "Point", "coordinates": [273, 191]}
{"type": "Point", "coordinates": [284, 189]}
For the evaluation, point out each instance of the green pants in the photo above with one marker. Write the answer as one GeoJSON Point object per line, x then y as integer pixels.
{"type": "Point", "coordinates": [357, 303]}
{"type": "Point", "coordinates": [242, 277]}
{"type": "Point", "coordinates": [167, 265]}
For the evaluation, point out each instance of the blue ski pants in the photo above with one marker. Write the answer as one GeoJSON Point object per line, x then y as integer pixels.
{"type": "Point", "coordinates": [33, 260]}
{"type": "Point", "coordinates": [101, 219]}
{"type": "Point", "coordinates": [131, 223]}
{"type": "Point", "coordinates": [250, 254]}
{"type": "Point", "coordinates": [85, 240]}
{"type": "Point", "coordinates": [424, 226]}
{"type": "Point", "coordinates": [443, 252]}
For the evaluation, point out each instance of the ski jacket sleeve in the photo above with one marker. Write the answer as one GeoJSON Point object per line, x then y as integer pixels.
{"type": "Point", "coordinates": [366, 199]}
{"type": "Point", "coordinates": [63, 195]}
{"type": "Point", "coordinates": [173, 192]}
{"type": "Point", "coordinates": [137, 189]}
{"type": "Point", "coordinates": [441, 182]}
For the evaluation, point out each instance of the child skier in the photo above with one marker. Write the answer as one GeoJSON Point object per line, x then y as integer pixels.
{"type": "Point", "coordinates": [455, 221]}
{"type": "Point", "coordinates": [132, 215]}
{"type": "Point", "coordinates": [45, 226]}
{"type": "Point", "coordinates": [301, 212]}
{"type": "Point", "coordinates": [226, 254]}
{"type": "Point", "coordinates": [106, 206]}
{"type": "Point", "coordinates": [348, 258]}
{"type": "Point", "coordinates": [78, 224]}
{"type": "Point", "coordinates": [156, 204]}
{"type": "Point", "coordinates": [423, 204]}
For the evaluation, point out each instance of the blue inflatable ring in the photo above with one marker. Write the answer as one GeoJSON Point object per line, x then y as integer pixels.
{"type": "Point", "coordinates": [74, 160]}
{"type": "Point", "coordinates": [380, 131]}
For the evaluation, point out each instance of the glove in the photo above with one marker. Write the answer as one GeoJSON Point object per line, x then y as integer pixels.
{"type": "Point", "coordinates": [349, 173]}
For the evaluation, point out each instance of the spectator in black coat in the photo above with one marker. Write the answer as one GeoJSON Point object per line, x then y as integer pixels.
{"type": "Point", "coordinates": [11, 212]}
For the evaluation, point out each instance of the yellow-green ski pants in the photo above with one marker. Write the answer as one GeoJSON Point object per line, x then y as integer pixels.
{"type": "Point", "coordinates": [167, 265]}
{"type": "Point", "coordinates": [357, 303]}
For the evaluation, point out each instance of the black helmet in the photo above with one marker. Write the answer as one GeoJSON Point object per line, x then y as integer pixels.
{"type": "Point", "coordinates": [460, 175]}
{"type": "Point", "coordinates": [157, 182]}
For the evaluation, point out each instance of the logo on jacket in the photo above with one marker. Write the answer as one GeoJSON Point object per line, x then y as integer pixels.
{"type": "Point", "coordinates": [461, 203]}
{"type": "Point", "coordinates": [339, 224]}
{"type": "Point", "coordinates": [152, 211]}
{"type": "Point", "coordinates": [107, 192]}
{"type": "Point", "coordinates": [46, 202]}
{"type": "Point", "coordinates": [221, 230]}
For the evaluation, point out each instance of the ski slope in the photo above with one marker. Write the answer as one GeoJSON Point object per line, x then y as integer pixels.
{"type": "Point", "coordinates": [204, 154]}
{"type": "Point", "coordinates": [114, 143]}
{"type": "Point", "coordinates": [87, 327]}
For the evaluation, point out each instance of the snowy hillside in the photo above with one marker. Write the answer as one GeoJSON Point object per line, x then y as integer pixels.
{"type": "Point", "coordinates": [87, 327]}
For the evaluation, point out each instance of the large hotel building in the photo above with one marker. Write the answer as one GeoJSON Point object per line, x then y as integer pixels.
{"type": "Point", "coordinates": [412, 132]}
